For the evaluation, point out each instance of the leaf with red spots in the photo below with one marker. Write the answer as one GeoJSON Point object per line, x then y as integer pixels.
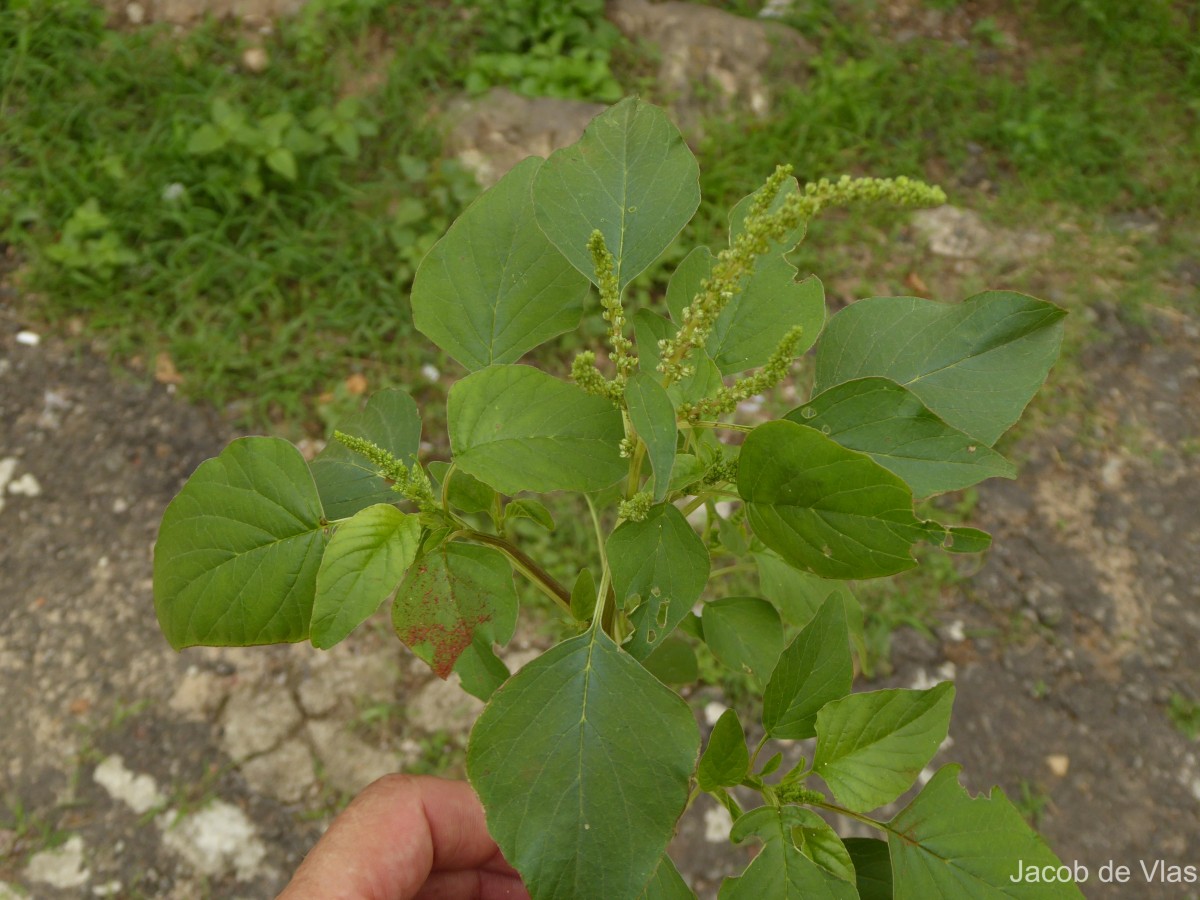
{"type": "Point", "coordinates": [457, 591]}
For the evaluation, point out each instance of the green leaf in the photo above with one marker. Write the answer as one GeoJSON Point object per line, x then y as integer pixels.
{"type": "Point", "coordinates": [206, 139]}
{"type": "Point", "coordinates": [349, 482]}
{"type": "Point", "coordinates": [451, 595]}
{"type": "Point", "coordinates": [891, 425]}
{"type": "Point", "coordinates": [583, 596]}
{"type": "Point", "coordinates": [820, 843]}
{"type": "Point", "coordinates": [823, 508]}
{"type": "Point", "coordinates": [583, 758]}
{"type": "Point", "coordinates": [631, 176]}
{"type": "Point", "coordinates": [961, 539]}
{"type": "Point", "coordinates": [815, 669]}
{"type": "Point", "coordinates": [662, 561]}
{"type": "Point", "coordinates": [519, 429]}
{"type": "Point", "coordinates": [653, 415]}
{"type": "Point", "coordinates": [481, 671]}
{"type": "Point", "coordinates": [686, 280]}
{"type": "Point", "coordinates": [666, 883]}
{"type": "Point", "coordinates": [946, 844]}
{"type": "Point", "coordinates": [798, 595]}
{"type": "Point", "coordinates": [726, 759]}
{"type": "Point", "coordinates": [687, 470]}
{"type": "Point", "coordinates": [780, 871]}
{"type": "Point", "coordinates": [872, 746]}
{"type": "Point", "coordinates": [363, 563]}
{"type": "Point", "coordinates": [494, 287]}
{"type": "Point", "coordinates": [744, 633]}
{"type": "Point", "coordinates": [282, 162]}
{"type": "Point", "coordinates": [975, 364]}
{"type": "Point", "coordinates": [673, 661]}
{"type": "Point", "coordinates": [733, 538]}
{"type": "Point", "coordinates": [528, 508]}
{"type": "Point", "coordinates": [872, 867]}
{"type": "Point", "coordinates": [237, 553]}
{"type": "Point", "coordinates": [465, 492]}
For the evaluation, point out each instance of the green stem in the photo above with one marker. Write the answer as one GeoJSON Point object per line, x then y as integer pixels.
{"type": "Point", "coordinates": [605, 612]}
{"type": "Point", "coordinates": [635, 470]}
{"type": "Point", "coordinates": [759, 749]}
{"type": "Point", "coordinates": [866, 820]}
{"type": "Point", "coordinates": [729, 570]}
{"type": "Point", "coordinates": [526, 566]}
{"type": "Point", "coordinates": [732, 426]}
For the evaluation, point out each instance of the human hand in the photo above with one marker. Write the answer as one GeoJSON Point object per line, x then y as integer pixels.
{"type": "Point", "coordinates": [407, 838]}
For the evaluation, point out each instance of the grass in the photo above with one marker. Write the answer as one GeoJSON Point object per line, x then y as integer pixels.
{"type": "Point", "coordinates": [270, 294]}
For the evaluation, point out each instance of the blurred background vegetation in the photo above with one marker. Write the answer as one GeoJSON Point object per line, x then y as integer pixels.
{"type": "Point", "coordinates": [242, 214]}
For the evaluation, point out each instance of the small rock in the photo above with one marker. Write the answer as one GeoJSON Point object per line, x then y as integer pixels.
{"type": "Point", "coordinates": [350, 763]}
{"type": "Point", "coordinates": [61, 867]}
{"type": "Point", "coordinates": [717, 825]}
{"type": "Point", "coordinates": [1058, 763]}
{"type": "Point", "coordinates": [257, 719]}
{"type": "Point", "coordinates": [713, 712]}
{"type": "Point", "coordinates": [494, 132]}
{"type": "Point", "coordinates": [255, 60]}
{"type": "Point", "coordinates": [216, 841]}
{"type": "Point", "coordinates": [285, 773]}
{"type": "Point", "coordinates": [1110, 474]}
{"type": "Point", "coordinates": [8, 466]}
{"type": "Point", "coordinates": [199, 694]}
{"type": "Point", "coordinates": [29, 338]}
{"type": "Point", "coordinates": [26, 486]}
{"type": "Point", "coordinates": [443, 706]}
{"type": "Point", "coordinates": [138, 792]}
{"type": "Point", "coordinates": [953, 632]}
{"type": "Point", "coordinates": [135, 13]}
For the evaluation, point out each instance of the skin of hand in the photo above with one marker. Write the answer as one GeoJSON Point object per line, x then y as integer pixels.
{"type": "Point", "coordinates": [407, 838]}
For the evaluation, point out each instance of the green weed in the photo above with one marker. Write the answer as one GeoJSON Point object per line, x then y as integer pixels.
{"type": "Point", "coordinates": [261, 230]}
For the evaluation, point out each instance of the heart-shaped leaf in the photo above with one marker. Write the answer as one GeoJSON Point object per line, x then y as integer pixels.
{"type": "Point", "coordinates": [237, 553]}
{"type": "Point", "coordinates": [519, 429]}
{"type": "Point", "coordinates": [450, 596]}
{"type": "Point", "coordinates": [580, 759]}
{"type": "Point", "coordinates": [494, 287]}
{"type": "Point", "coordinates": [630, 176]}
{"type": "Point", "coordinates": [891, 425]}
{"type": "Point", "coordinates": [662, 561]}
{"type": "Point", "coordinates": [946, 844]}
{"type": "Point", "coordinates": [348, 482]}
{"type": "Point", "coordinates": [829, 510]}
{"type": "Point", "coordinates": [975, 364]}
{"type": "Point", "coordinates": [872, 746]}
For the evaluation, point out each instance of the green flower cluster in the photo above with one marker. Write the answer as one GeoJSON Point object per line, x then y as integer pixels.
{"type": "Point", "coordinates": [412, 483]}
{"type": "Point", "coordinates": [763, 228]}
{"type": "Point", "coordinates": [610, 299]}
{"type": "Point", "coordinates": [726, 399]}
{"type": "Point", "coordinates": [637, 507]}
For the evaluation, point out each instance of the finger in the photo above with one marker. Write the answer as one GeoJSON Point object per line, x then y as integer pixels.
{"type": "Point", "coordinates": [479, 884]}
{"type": "Point", "coordinates": [386, 842]}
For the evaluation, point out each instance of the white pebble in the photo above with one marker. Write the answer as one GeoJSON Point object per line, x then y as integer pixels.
{"type": "Point", "coordinates": [26, 486]}
{"type": "Point", "coordinates": [29, 338]}
{"type": "Point", "coordinates": [713, 711]}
